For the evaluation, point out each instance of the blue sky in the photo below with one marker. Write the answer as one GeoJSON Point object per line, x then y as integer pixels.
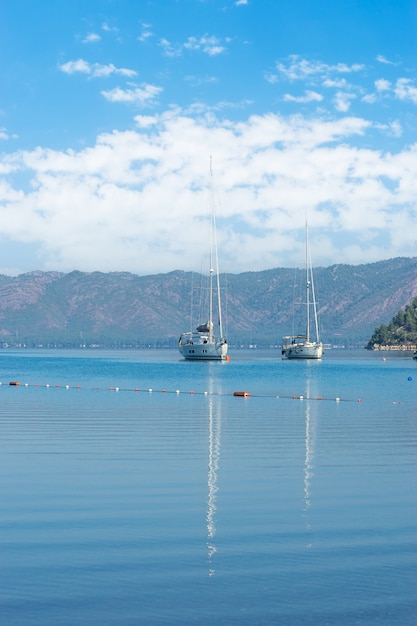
{"type": "Point", "coordinates": [110, 110]}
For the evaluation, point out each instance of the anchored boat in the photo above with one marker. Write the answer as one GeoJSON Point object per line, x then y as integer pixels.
{"type": "Point", "coordinates": [207, 343]}
{"type": "Point", "coordinates": [305, 346]}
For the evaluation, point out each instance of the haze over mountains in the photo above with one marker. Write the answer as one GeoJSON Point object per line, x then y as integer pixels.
{"type": "Point", "coordinates": [122, 309]}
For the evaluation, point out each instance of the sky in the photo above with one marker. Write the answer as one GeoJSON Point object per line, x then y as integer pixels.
{"type": "Point", "coordinates": [111, 111]}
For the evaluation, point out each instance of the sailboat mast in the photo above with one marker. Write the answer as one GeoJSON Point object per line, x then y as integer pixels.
{"type": "Point", "coordinates": [310, 286]}
{"type": "Point", "coordinates": [211, 251]}
{"type": "Point", "coordinates": [218, 294]}
{"type": "Point", "coordinates": [316, 324]}
{"type": "Point", "coordinates": [307, 288]}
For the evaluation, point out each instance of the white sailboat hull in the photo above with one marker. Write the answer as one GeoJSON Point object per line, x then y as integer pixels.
{"type": "Point", "coordinates": [195, 346]}
{"type": "Point", "coordinates": [302, 350]}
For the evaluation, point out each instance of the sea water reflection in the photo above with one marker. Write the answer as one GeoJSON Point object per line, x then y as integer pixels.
{"type": "Point", "coordinates": [214, 439]}
{"type": "Point", "coordinates": [163, 508]}
{"type": "Point", "coordinates": [309, 446]}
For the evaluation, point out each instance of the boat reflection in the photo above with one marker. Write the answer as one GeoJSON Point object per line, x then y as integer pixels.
{"type": "Point", "coordinates": [214, 436]}
{"type": "Point", "coordinates": [310, 443]}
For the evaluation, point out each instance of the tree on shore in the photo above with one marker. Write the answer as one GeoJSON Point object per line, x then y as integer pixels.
{"type": "Point", "coordinates": [402, 329]}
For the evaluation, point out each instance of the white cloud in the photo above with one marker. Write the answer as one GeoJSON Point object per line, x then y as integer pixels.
{"type": "Point", "coordinates": [145, 121]}
{"type": "Point", "coordinates": [309, 96]}
{"type": "Point", "coordinates": [392, 129]}
{"type": "Point", "coordinates": [107, 70]}
{"type": "Point", "coordinates": [136, 199]}
{"type": "Point", "coordinates": [271, 78]}
{"type": "Point", "coordinates": [109, 29]}
{"type": "Point", "coordinates": [72, 67]}
{"type": "Point", "coordinates": [405, 89]}
{"type": "Point", "coordinates": [5, 135]}
{"type": "Point", "coordinates": [343, 100]}
{"type": "Point", "coordinates": [92, 38]}
{"type": "Point", "coordinates": [395, 128]}
{"type": "Point", "coordinates": [340, 83]}
{"type": "Point", "coordinates": [209, 44]}
{"type": "Point", "coordinates": [296, 68]}
{"type": "Point", "coordinates": [95, 70]}
{"type": "Point", "coordinates": [369, 98]}
{"type": "Point", "coordinates": [170, 49]}
{"type": "Point", "coordinates": [382, 85]}
{"type": "Point", "coordinates": [6, 168]}
{"type": "Point", "coordinates": [145, 94]}
{"type": "Point", "coordinates": [317, 74]}
{"type": "Point", "coordinates": [146, 32]}
{"type": "Point", "coordinates": [201, 80]}
{"type": "Point", "coordinates": [384, 60]}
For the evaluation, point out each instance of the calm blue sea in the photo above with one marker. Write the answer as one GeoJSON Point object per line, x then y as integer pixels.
{"type": "Point", "coordinates": [135, 488]}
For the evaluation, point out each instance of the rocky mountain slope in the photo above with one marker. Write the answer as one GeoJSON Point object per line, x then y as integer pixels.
{"type": "Point", "coordinates": [123, 309]}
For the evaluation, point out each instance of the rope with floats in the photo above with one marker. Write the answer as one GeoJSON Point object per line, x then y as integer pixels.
{"type": "Point", "coordinates": [237, 394]}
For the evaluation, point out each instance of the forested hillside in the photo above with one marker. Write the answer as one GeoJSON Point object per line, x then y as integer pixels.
{"type": "Point", "coordinates": [401, 331]}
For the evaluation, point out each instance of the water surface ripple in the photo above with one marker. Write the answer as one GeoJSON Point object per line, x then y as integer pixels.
{"type": "Point", "coordinates": [137, 507]}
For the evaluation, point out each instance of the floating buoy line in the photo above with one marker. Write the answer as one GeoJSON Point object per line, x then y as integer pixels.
{"type": "Point", "coordinates": [239, 394]}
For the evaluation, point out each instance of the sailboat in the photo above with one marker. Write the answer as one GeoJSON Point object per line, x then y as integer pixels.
{"type": "Point", "coordinates": [305, 346]}
{"type": "Point", "coordinates": [203, 343]}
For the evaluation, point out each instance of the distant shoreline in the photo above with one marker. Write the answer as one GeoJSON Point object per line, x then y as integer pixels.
{"type": "Point", "coordinates": [401, 348]}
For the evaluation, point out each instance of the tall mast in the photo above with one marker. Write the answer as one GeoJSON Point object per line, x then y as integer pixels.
{"type": "Point", "coordinates": [211, 251]}
{"type": "Point", "coordinates": [310, 284]}
{"type": "Point", "coordinates": [214, 258]}
{"type": "Point", "coordinates": [307, 288]}
{"type": "Point", "coordinates": [316, 324]}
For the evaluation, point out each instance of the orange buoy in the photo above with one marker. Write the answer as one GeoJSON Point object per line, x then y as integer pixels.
{"type": "Point", "coordinates": [14, 383]}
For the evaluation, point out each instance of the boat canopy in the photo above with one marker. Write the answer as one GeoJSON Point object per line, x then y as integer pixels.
{"type": "Point", "coordinates": [205, 328]}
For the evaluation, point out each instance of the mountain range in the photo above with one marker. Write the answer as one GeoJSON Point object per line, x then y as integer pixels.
{"type": "Point", "coordinates": [121, 309]}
